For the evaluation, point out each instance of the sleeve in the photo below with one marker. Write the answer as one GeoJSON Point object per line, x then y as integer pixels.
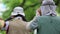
{"type": "Point", "coordinates": [33, 24]}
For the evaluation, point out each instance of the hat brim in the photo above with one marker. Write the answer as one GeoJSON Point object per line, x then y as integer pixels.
{"type": "Point", "coordinates": [18, 13]}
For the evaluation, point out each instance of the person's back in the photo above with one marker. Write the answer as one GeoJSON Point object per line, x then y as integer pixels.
{"type": "Point", "coordinates": [17, 26]}
{"type": "Point", "coordinates": [47, 21]}
{"type": "Point", "coordinates": [48, 25]}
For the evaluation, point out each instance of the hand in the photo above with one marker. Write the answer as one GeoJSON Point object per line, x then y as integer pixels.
{"type": "Point", "coordinates": [1, 23]}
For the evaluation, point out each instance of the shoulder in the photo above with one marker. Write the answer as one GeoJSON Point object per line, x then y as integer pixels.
{"type": "Point", "coordinates": [56, 17]}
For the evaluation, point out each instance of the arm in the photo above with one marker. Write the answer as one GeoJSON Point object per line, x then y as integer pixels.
{"type": "Point", "coordinates": [33, 24]}
{"type": "Point", "coordinates": [5, 27]}
{"type": "Point", "coordinates": [1, 24]}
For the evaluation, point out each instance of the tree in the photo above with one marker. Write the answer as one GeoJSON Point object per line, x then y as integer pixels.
{"type": "Point", "coordinates": [29, 6]}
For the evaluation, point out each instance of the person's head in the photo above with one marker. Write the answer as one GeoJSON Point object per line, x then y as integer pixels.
{"type": "Point", "coordinates": [18, 13]}
{"type": "Point", "coordinates": [18, 10]}
{"type": "Point", "coordinates": [47, 8]}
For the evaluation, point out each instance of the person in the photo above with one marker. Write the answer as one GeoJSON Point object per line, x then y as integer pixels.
{"type": "Point", "coordinates": [48, 23]}
{"type": "Point", "coordinates": [16, 23]}
{"type": "Point", "coordinates": [43, 10]}
{"type": "Point", "coordinates": [47, 6]}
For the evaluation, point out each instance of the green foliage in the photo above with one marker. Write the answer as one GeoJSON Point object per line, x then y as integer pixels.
{"type": "Point", "coordinates": [12, 3]}
{"type": "Point", "coordinates": [29, 14]}
{"type": "Point", "coordinates": [6, 14]}
{"type": "Point", "coordinates": [28, 5]}
{"type": "Point", "coordinates": [2, 32]}
{"type": "Point", "coordinates": [58, 9]}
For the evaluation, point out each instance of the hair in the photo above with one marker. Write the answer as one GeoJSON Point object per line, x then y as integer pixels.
{"type": "Point", "coordinates": [23, 17]}
{"type": "Point", "coordinates": [40, 12]}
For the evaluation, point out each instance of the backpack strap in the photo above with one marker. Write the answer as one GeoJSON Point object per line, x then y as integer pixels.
{"type": "Point", "coordinates": [6, 27]}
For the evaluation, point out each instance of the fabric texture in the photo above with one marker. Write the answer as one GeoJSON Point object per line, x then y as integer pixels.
{"type": "Point", "coordinates": [47, 10]}
{"type": "Point", "coordinates": [48, 2]}
{"type": "Point", "coordinates": [46, 25]}
{"type": "Point", "coordinates": [48, 7]}
{"type": "Point", "coordinates": [18, 10]}
{"type": "Point", "coordinates": [17, 26]}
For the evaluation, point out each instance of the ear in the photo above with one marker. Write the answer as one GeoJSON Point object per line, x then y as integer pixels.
{"type": "Point", "coordinates": [38, 12]}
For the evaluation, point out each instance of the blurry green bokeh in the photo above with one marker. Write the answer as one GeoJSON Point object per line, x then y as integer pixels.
{"type": "Point", "coordinates": [30, 7]}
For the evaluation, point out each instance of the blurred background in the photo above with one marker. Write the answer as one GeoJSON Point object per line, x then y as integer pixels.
{"type": "Point", "coordinates": [30, 7]}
